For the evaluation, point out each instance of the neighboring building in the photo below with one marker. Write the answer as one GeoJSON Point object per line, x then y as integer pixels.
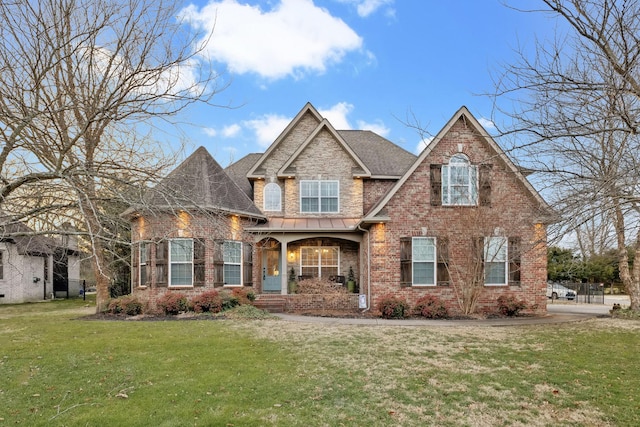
{"type": "Point", "coordinates": [458, 218]}
{"type": "Point", "coordinates": [34, 267]}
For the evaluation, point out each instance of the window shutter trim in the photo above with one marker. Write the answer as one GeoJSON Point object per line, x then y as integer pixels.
{"type": "Point", "coordinates": [485, 184]}
{"type": "Point", "coordinates": [161, 270]}
{"type": "Point", "coordinates": [442, 265]}
{"type": "Point", "coordinates": [514, 247]}
{"type": "Point", "coordinates": [406, 278]}
{"type": "Point", "coordinates": [247, 264]}
{"type": "Point", "coordinates": [198, 262]}
{"type": "Point", "coordinates": [435, 177]}
{"type": "Point", "coordinates": [218, 263]}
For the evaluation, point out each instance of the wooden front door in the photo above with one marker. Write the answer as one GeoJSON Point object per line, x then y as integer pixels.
{"type": "Point", "coordinates": [271, 270]}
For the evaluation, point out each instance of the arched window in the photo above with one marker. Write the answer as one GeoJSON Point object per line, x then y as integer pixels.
{"type": "Point", "coordinates": [272, 197]}
{"type": "Point", "coordinates": [459, 182]}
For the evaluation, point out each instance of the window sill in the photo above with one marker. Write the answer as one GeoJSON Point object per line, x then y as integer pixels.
{"type": "Point", "coordinates": [180, 286]}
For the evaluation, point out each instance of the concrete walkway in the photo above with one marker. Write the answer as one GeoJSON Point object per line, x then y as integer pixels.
{"type": "Point", "coordinates": [558, 312]}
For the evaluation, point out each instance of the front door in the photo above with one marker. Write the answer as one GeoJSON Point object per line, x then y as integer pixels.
{"type": "Point", "coordinates": [271, 271]}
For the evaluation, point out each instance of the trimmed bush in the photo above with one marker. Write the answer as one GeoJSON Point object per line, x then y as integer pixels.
{"type": "Point", "coordinates": [244, 295]}
{"type": "Point", "coordinates": [207, 302]}
{"type": "Point", "coordinates": [173, 303]}
{"type": "Point", "coordinates": [430, 307]}
{"type": "Point", "coordinates": [510, 306]}
{"type": "Point", "coordinates": [127, 304]}
{"type": "Point", "coordinates": [393, 307]}
{"type": "Point", "coordinates": [318, 286]}
{"type": "Point", "coordinates": [229, 300]}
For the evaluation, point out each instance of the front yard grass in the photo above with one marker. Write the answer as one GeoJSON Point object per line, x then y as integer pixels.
{"type": "Point", "coordinates": [58, 370]}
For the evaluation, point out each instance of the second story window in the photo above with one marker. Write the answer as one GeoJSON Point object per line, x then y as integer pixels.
{"type": "Point", "coordinates": [459, 182]}
{"type": "Point", "coordinates": [319, 196]}
{"type": "Point", "coordinates": [272, 197]}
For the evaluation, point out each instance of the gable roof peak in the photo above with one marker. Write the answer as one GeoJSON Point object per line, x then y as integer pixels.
{"type": "Point", "coordinates": [462, 112]}
{"type": "Point", "coordinates": [307, 109]}
{"type": "Point", "coordinates": [361, 168]}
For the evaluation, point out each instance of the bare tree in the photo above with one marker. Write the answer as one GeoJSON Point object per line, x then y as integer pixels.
{"type": "Point", "coordinates": [578, 120]}
{"type": "Point", "coordinates": [81, 82]}
{"type": "Point", "coordinates": [486, 252]}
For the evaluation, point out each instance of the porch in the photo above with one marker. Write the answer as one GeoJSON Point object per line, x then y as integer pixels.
{"type": "Point", "coordinates": [285, 260]}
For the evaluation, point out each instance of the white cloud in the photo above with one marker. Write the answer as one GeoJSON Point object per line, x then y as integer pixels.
{"type": "Point", "coordinates": [337, 115]}
{"type": "Point", "coordinates": [423, 144]}
{"type": "Point", "coordinates": [210, 132]}
{"type": "Point", "coordinates": [293, 37]}
{"type": "Point", "coordinates": [231, 130]}
{"type": "Point", "coordinates": [377, 127]}
{"type": "Point", "coordinates": [368, 7]}
{"type": "Point", "coordinates": [487, 124]}
{"type": "Point", "coordinates": [268, 127]}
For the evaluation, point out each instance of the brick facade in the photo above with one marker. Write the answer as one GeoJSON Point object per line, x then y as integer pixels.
{"type": "Point", "coordinates": [389, 211]}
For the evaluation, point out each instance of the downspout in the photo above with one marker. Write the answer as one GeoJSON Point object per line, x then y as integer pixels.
{"type": "Point", "coordinates": [368, 268]}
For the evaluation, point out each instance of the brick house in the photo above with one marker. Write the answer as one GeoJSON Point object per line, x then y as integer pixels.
{"type": "Point", "coordinates": [460, 221]}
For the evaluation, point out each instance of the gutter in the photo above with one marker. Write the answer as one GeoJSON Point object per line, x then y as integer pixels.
{"type": "Point", "coordinates": [368, 268]}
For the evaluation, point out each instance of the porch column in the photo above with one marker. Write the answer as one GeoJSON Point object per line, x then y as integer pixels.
{"type": "Point", "coordinates": [283, 268]}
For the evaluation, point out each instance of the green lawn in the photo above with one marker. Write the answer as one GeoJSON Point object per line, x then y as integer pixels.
{"type": "Point", "coordinates": [58, 370]}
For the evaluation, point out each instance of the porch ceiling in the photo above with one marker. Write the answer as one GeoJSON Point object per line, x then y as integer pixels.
{"type": "Point", "coordinates": [307, 225]}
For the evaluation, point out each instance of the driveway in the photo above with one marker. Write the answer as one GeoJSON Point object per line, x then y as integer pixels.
{"type": "Point", "coordinates": [570, 307]}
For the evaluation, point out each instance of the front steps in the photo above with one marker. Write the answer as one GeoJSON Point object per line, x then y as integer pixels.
{"type": "Point", "coordinates": [270, 303]}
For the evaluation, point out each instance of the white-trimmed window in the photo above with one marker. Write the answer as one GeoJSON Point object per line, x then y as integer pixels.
{"type": "Point", "coordinates": [418, 261]}
{"type": "Point", "coordinates": [181, 262]}
{"type": "Point", "coordinates": [423, 259]}
{"type": "Point", "coordinates": [272, 197]}
{"type": "Point", "coordinates": [232, 257]}
{"type": "Point", "coordinates": [144, 260]}
{"type": "Point", "coordinates": [319, 261]}
{"type": "Point", "coordinates": [459, 182]}
{"type": "Point", "coordinates": [495, 261]}
{"type": "Point", "coordinates": [319, 196]}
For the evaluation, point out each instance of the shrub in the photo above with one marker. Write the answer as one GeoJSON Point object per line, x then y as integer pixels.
{"type": "Point", "coordinates": [393, 307]}
{"type": "Point", "coordinates": [229, 300]}
{"type": "Point", "coordinates": [207, 302]}
{"type": "Point", "coordinates": [318, 286]}
{"type": "Point", "coordinates": [127, 304]}
{"type": "Point", "coordinates": [510, 305]}
{"type": "Point", "coordinates": [244, 295]}
{"type": "Point", "coordinates": [430, 307]}
{"type": "Point", "coordinates": [173, 303]}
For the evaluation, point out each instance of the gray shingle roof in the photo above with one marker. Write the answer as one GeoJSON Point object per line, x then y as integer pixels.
{"type": "Point", "coordinates": [22, 236]}
{"type": "Point", "coordinates": [200, 181]}
{"type": "Point", "coordinates": [381, 156]}
{"type": "Point", "coordinates": [238, 172]}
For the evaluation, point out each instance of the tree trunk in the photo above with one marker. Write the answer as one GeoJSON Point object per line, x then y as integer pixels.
{"type": "Point", "coordinates": [102, 280]}
{"type": "Point", "coordinates": [630, 280]}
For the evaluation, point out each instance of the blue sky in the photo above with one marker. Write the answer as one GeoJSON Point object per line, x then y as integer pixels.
{"type": "Point", "coordinates": [364, 64]}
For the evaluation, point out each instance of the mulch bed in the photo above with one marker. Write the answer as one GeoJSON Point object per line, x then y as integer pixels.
{"type": "Point", "coordinates": [151, 318]}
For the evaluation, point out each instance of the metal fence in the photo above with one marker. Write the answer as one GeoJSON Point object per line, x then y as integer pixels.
{"type": "Point", "coordinates": [587, 293]}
